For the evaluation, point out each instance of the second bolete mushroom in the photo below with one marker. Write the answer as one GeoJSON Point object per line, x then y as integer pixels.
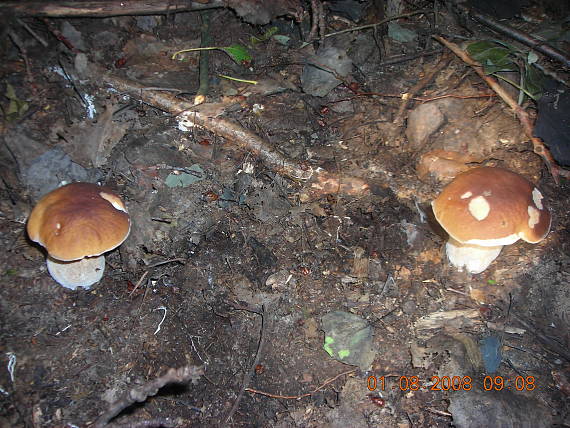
{"type": "Point", "coordinates": [484, 209]}
{"type": "Point", "coordinates": [77, 224]}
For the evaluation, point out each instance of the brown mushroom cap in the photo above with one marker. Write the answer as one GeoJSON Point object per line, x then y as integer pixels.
{"type": "Point", "coordinates": [492, 206]}
{"type": "Point", "coordinates": [79, 220]}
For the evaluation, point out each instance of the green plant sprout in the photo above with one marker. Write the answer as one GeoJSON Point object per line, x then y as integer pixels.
{"type": "Point", "coordinates": [17, 108]}
{"type": "Point", "coordinates": [236, 52]}
{"type": "Point", "coordinates": [253, 82]}
{"type": "Point", "coordinates": [264, 37]}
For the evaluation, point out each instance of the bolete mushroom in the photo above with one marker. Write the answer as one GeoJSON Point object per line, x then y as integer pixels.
{"type": "Point", "coordinates": [77, 224]}
{"type": "Point", "coordinates": [484, 209]}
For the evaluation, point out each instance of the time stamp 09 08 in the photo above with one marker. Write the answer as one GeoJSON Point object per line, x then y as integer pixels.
{"type": "Point", "coordinates": [451, 383]}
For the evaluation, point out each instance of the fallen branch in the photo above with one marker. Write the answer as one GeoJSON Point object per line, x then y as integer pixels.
{"type": "Point", "coordinates": [523, 117]}
{"type": "Point", "coordinates": [154, 423]}
{"type": "Point", "coordinates": [319, 181]}
{"type": "Point", "coordinates": [105, 8]}
{"type": "Point", "coordinates": [141, 393]}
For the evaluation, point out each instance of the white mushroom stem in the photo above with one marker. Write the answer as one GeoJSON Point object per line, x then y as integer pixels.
{"type": "Point", "coordinates": [474, 258]}
{"type": "Point", "coordinates": [78, 273]}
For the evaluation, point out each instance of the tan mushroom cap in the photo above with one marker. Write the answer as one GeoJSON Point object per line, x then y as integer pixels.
{"type": "Point", "coordinates": [79, 220]}
{"type": "Point", "coordinates": [492, 206]}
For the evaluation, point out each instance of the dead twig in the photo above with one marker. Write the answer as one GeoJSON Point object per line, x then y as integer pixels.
{"type": "Point", "coordinates": [423, 82]}
{"type": "Point", "coordinates": [403, 58]}
{"type": "Point", "coordinates": [179, 260]}
{"type": "Point", "coordinates": [298, 397]}
{"type": "Point", "coordinates": [32, 32]}
{"type": "Point", "coordinates": [321, 19]}
{"type": "Point", "coordinates": [439, 412]}
{"type": "Point", "coordinates": [59, 36]}
{"type": "Point", "coordinates": [204, 63]}
{"type": "Point", "coordinates": [384, 21]}
{"type": "Point", "coordinates": [523, 117]}
{"type": "Point", "coordinates": [24, 53]}
{"type": "Point", "coordinates": [139, 282]}
{"type": "Point", "coordinates": [266, 322]}
{"type": "Point", "coordinates": [141, 393]}
{"type": "Point", "coordinates": [314, 20]}
{"type": "Point", "coordinates": [421, 99]}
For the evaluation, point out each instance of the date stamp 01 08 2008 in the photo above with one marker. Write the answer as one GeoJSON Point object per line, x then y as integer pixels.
{"type": "Point", "coordinates": [453, 383]}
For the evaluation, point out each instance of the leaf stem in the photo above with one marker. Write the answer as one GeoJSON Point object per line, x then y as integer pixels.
{"type": "Point", "coordinates": [194, 49]}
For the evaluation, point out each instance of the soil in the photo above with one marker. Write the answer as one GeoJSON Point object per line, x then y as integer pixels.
{"type": "Point", "coordinates": [234, 272]}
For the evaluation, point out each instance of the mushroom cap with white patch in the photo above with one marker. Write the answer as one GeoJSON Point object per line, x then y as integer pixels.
{"type": "Point", "coordinates": [490, 207]}
{"type": "Point", "coordinates": [79, 220]}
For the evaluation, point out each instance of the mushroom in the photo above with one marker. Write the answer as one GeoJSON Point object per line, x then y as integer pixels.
{"type": "Point", "coordinates": [76, 224]}
{"type": "Point", "coordinates": [484, 209]}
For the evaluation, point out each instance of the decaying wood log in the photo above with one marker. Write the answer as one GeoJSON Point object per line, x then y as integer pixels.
{"type": "Point", "coordinates": [105, 8]}
{"type": "Point", "coordinates": [258, 12]}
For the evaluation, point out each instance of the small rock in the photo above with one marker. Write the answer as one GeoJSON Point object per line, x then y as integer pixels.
{"type": "Point", "coordinates": [400, 34]}
{"type": "Point", "coordinates": [423, 122]}
{"type": "Point", "coordinates": [318, 81]}
{"type": "Point", "coordinates": [147, 23]}
{"type": "Point", "coordinates": [342, 107]}
{"type": "Point", "coordinates": [74, 36]}
{"type": "Point", "coordinates": [409, 307]}
{"type": "Point", "coordinates": [479, 408]}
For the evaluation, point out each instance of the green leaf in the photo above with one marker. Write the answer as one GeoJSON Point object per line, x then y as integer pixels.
{"type": "Point", "coordinates": [498, 56]}
{"type": "Point", "coordinates": [281, 39]}
{"type": "Point", "coordinates": [184, 179]}
{"type": "Point", "coordinates": [507, 45]}
{"type": "Point", "coordinates": [533, 82]}
{"type": "Point", "coordinates": [531, 57]}
{"type": "Point", "coordinates": [327, 345]}
{"type": "Point", "coordinates": [475, 48]}
{"type": "Point", "coordinates": [238, 53]}
{"type": "Point", "coordinates": [265, 36]}
{"type": "Point", "coordinates": [10, 93]}
{"type": "Point", "coordinates": [492, 57]}
{"type": "Point", "coordinates": [17, 108]}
